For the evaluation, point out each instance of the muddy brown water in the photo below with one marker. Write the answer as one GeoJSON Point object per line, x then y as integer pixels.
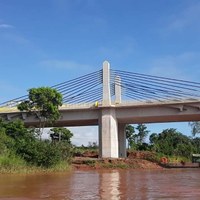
{"type": "Point", "coordinates": [104, 184]}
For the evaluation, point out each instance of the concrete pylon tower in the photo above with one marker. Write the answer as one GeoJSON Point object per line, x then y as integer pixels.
{"type": "Point", "coordinates": [108, 125]}
{"type": "Point", "coordinates": [118, 90]}
{"type": "Point", "coordinates": [106, 84]}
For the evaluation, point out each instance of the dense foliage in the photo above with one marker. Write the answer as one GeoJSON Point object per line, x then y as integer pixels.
{"type": "Point", "coordinates": [17, 140]}
{"type": "Point", "coordinates": [169, 142]}
{"type": "Point", "coordinates": [136, 136]}
{"type": "Point", "coordinates": [44, 103]}
{"type": "Point", "coordinates": [61, 134]}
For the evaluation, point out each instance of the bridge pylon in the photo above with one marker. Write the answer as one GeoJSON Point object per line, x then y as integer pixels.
{"type": "Point", "coordinates": [111, 144]}
{"type": "Point", "coordinates": [106, 101]}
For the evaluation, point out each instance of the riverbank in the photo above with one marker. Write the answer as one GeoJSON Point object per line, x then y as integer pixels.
{"type": "Point", "coordinates": [90, 160]}
{"type": "Point", "coordinates": [134, 160]}
{"type": "Point", "coordinates": [120, 163]}
{"type": "Point", "coordinates": [125, 163]}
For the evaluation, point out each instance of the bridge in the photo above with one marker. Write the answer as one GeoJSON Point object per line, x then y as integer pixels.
{"type": "Point", "coordinates": [113, 98]}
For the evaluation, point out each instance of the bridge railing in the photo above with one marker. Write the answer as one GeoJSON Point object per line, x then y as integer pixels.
{"type": "Point", "coordinates": [80, 105]}
{"type": "Point", "coordinates": [160, 102]}
{"type": "Point", "coordinates": [8, 109]}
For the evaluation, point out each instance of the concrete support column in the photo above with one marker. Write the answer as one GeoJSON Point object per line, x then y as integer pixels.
{"type": "Point", "coordinates": [122, 140]}
{"type": "Point", "coordinates": [100, 137]}
{"type": "Point", "coordinates": [106, 84]}
{"type": "Point", "coordinates": [118, 90]}
{"type": "Point", "coordinates": [108, 134]}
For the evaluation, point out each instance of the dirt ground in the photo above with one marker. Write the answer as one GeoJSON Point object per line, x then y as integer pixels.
{"type": "Point", "coordinates": [134, 160]}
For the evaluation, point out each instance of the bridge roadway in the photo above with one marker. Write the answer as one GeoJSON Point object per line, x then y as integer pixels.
{"type": "Point", "coordinates": [126, 113]}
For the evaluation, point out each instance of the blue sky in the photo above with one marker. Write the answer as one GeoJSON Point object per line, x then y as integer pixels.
{"type": "Point", "coordinates": [46, 42]}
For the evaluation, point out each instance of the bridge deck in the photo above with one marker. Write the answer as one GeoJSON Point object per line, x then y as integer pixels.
{"type": "Point", "coordinates": [191, 102]}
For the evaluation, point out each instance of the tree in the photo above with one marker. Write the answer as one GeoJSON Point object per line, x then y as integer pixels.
{"type": "Point", "coordinates": [15, 129]}
{"type": "Point", "coordinates": [44, 103]}
{"type": "Point", "coordinates": [196, 144]}
{"type": "Point", "coordinates": [195, 127]}
{"type": "Point", "coordinates": [130, 130]}
{"type": "Point", "coordinates": [6, 143]}
{"type": "Point", "coordinates": [92, 145]}
{"type": "Point", "coordinates": [142, 132]}
{"type": "Point", "coordinates": [61, 134]}
{"type": "Point", "coordinates": [171, 142]}
{"type": "Point", "coordinates": [153, 138]}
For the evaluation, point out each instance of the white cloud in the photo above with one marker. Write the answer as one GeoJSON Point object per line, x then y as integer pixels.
{"type": "Point", "coordinates": [81, 135]}
{"type": "Point", "coordinates": [182, 66]}
{"type": "Point", "coordinates": [185, 18]}
{"type": "Point", "coordinates": [84, 134]}
{"type": "Point", "coordinates": [17, 39]}
{"type": "Point", "coordinates": [6, 26]}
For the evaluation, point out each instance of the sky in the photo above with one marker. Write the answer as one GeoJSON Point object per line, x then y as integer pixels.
{"type": "Point", "coordinates": [46, 42]}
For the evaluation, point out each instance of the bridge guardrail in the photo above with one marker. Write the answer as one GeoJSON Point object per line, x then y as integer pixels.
{"type": "Point", "coordinates": [7, 109]}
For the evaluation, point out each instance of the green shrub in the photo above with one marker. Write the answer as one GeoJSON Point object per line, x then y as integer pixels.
{"type": "Point", "coordinates": [6, 143]}
{"type": "Point", "coordinates": [45, 153]}
{"type": "Point", "coordinates": [11, 162]}
{"type": "Point", "coordinates": [21, 143]}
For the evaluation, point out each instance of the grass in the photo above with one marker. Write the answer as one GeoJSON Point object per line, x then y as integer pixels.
{"type": "Point", "coordinates": [12, 164]}
{"type": "Point", "coordinates": [59, 167]}
{"type": "Point", "coordinates": [115, 166]}
{"type": "Point", "coordinates": [91, 163]}
{"type": "Point", "coordinates": [82, 150]}
{"type": "Point", "coordinates": [178, 159]}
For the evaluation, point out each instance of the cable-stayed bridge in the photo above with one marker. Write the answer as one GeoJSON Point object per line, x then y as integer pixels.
{"type": "Point", "coordinates": [113, 98]}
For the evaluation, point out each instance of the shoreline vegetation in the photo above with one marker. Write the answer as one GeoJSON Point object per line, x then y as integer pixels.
{"type": "Point", "coordinates": [23, 151]}
{"type": "Point", "coordinates": [88, 160]}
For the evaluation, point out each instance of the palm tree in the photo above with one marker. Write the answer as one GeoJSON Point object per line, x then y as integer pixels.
{"type": "Point", "coordinates": [195, 127]}
{"type": "Point", "coordinates": [130, 130]}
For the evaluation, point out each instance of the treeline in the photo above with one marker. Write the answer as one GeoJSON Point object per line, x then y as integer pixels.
{"type": "Point", "coordinates": [22, 146]}
{"type": "Point", "coordinates": [169, 142]}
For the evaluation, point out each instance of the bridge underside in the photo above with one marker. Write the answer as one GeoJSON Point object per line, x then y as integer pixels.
{"type": "Point", "coordinates": [157, 114]}
{"type": "Point", "coordinates": [177, 112]}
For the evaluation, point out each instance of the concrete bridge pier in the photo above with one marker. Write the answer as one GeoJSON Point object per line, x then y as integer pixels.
{"type": "Point", "coordinates": [122, 140]}
{"type": "Point", "coordinates": [108, 134]}
{"type": "Point", "coordinates": [112, 136]}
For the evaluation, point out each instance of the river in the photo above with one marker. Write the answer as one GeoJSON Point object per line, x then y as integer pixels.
{"type": "Point", "coordinates": [103, 184]}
